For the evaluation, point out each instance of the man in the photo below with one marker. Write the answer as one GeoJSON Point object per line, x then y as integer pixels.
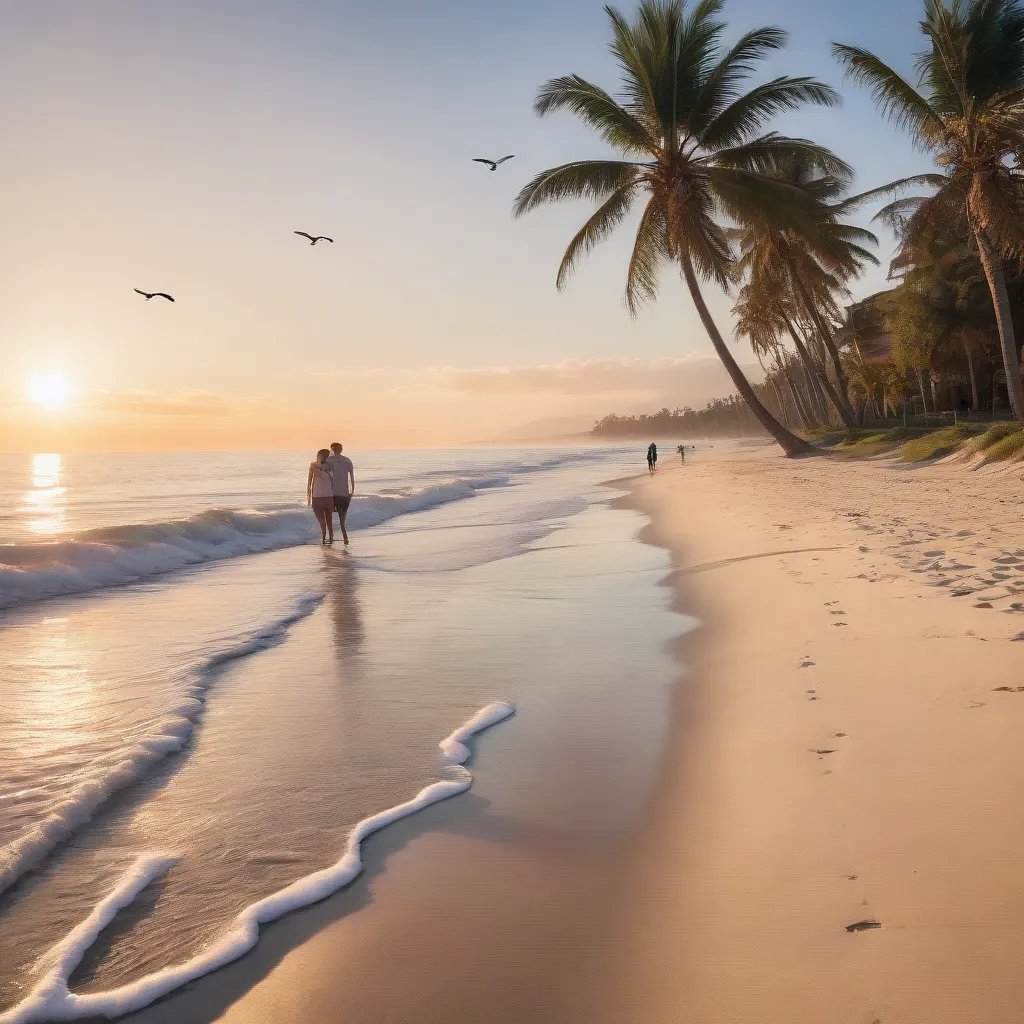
{"type": "Point", "coordinates": [344, 475]}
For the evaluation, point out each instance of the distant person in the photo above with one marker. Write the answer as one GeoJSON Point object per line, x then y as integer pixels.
{"type": "Point", "coordinates": [652, 458]}
{"type": "Point", "coordinates": [682, 454]}
{"type": "Point", "coordinates": [320, 494]}
{"type": "Point", "coordinates": [344, 475]}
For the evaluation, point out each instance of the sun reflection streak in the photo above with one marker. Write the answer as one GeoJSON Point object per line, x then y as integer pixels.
{"type": "Point", "coordinates": [45, 499]}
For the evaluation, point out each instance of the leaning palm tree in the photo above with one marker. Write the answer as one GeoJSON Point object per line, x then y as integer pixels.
{"type": "Point", "coordinates": [814, 269]}
{"type": "Point", "coordinates": [695, 151]}
{"type": "Point", "coordinates": [968, 112]}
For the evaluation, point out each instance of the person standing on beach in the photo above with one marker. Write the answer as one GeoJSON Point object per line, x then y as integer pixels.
{"type": "Point", "coordinates": [320, 494]}
{"type": "Point", "coordinates": [682, 454]}
{"type": "Point", "coordinates": [344, 475]}
{"type": "Point", "coordinates": [652, 458]}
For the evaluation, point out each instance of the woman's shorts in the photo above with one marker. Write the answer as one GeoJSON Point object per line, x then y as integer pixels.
{"type": "Point", "coordinates": [323, 504]}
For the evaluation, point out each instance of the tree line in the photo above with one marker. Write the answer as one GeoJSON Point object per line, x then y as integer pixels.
{"type": "Point", "coordinates": [727, 200]}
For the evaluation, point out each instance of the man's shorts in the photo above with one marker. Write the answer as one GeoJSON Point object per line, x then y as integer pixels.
{"type": "Point", "coordinates": [341, 504]}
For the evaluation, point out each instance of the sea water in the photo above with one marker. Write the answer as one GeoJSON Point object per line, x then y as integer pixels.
{"type": "Point", "coordinates": [202, 711]}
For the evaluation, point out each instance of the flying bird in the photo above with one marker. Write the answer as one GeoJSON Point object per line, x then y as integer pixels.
{"type": "Point", "coordinates": [493, 164]}
{"type": "Point", "coordinates": [313, 239]}
{"type": "Point", "coordinates": [155, 295]}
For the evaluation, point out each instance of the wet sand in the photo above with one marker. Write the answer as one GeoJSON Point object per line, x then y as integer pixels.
{"type": "Point", "coordinates": [844, 751]}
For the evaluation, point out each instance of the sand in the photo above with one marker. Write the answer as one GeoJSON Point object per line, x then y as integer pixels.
{"type": "Point", "coordinates": [846, 755]}
{"type": "Point", "coordinates": [845, 749]}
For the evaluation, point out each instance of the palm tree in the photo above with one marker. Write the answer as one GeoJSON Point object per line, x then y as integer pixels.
{"type": "Point", "coordinates": [695, 150]}
{"type": "Point", "coordinates": [812, 269]}
{"type": "Point", "coordinates": [968, 112]}
{"type": "Point", "coordinates": [766, 304]}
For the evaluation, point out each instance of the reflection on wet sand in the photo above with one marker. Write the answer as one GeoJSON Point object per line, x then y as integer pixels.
{"type": "Point", "coordinates": [341, 581]}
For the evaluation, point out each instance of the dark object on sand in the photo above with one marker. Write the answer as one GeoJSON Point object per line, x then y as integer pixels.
{"type": "Point", "coordinates": [493, 164]}
{"type": "Point", "coordinates": [863, 926]}
{"type": "Point", "coordinates": [1009, 689]}
{"type": "Point", "coordinates": [154, 295]}
{"type": "Point", "coordinates": [313, 239]}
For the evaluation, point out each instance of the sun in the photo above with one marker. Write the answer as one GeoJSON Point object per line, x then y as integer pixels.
{"type": "Point", "coordinates": [48, 389]}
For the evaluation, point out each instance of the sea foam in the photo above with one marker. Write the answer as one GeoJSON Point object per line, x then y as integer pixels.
{"type": "Point", "coordinates": [114, 556]}
{"type": "Point", "coordinates": [170, 734]}
{"type": "Point", "coordinates": [52, 1000]}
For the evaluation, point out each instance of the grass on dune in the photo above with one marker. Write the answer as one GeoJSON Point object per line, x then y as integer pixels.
{"type": "Point", "coordinates": [935, 444]}
{"type": "Point", "coordinates": [1007, 447]}
{"type": "Point", "coordinates": [879, 442]}
{"type": "Point", "coordinates": [1000, 442]}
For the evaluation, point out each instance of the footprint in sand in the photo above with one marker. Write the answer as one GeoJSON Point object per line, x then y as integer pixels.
{"type": "Point", "coordinates": [1008, 689]}
{"type": "Point", "coordinates": [837, 613]}
{"type": "Point", "coordinates": [839, 735]}
{"type": "Point", "coordinates": [822, 753]}
{"type": "Point", "coordinates": [934, 554]}
{"type": "Point", "coordinates": [807, 664]}
{"type": "Point", "coordinates": [863, 926]}
{"type": "Point", "coordinates": [983, 604]}
{"type": "Point", "coordinates": [840, 623]}
{"type": "Point", "coordinates": [852, 878]}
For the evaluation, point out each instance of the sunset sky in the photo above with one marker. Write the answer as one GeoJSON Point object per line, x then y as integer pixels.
{"type": "Point", "coordinates": [177, 146]}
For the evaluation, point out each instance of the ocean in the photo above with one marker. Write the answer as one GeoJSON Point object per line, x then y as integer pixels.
{"type": "Point", "coordinates": [203, 711]}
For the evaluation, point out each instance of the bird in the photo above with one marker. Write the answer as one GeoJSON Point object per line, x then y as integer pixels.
{"type": "Point", "coordinates": [155, 295]}
{"type": "Point", "coordinates": [313, 239]}
{"type": "Point", "coordinates": [493, 164]}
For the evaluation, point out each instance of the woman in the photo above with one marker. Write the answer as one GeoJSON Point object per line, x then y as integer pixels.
{"type": "Point", "coordinates": [320, 494]}
{"type": "Point", "coordinates": [652, 457]}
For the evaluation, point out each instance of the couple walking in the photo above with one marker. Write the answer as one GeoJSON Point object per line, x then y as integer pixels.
{"type": "Point", "coordinates": [329, 487]}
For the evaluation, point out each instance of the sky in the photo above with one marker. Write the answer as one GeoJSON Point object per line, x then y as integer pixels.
{"type": "Point", "coordinates": [176, 147]}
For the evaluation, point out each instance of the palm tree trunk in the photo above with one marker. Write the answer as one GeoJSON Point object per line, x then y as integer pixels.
{"type": "Point", "coordinates": [826, 336]}
{"type": "Point", "coordinates": [801, 412]}
{"type": "Point", "coordinates": [844, 413]}
{"type": "Point", "coordinates": [992, 263]}
{"type": "Point", "coordinates": [975, 404]}
{"type": "Point", "coordinates": [789, 442]}
{"type": "Point", "coordinates": [920, 387]}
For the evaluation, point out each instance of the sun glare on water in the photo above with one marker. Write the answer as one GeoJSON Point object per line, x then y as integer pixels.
{"type": "Point", "coordinates": [48, 389]}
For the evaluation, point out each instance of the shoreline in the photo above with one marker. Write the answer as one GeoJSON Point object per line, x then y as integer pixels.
{"type": "Point", "coordinates": [842, 748]}
{"type": "Point", "coordinates": [845, 753]}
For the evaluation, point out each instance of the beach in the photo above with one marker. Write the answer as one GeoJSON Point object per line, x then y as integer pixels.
{"type": "Point", "coordinates": [759, 701]}
{"type": "Point", "coordinates": [842, 751]}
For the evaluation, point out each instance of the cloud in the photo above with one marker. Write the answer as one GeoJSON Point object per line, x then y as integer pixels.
{"type": "Point", "coordinates": [686, 379]}
{"type": "Point", "coordinates": [189, 402]}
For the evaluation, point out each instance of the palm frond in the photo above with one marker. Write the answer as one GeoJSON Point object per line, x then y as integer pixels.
{"type": "Point", "coordinates": [747, 115]}
{"type": "Point", "coordinates": [897, 99]}
{"type": "Point", "coordinates": [772, 152]}
{"type": "Point", "coordinates": [581, 179]}
{"type": "Point", "coordinates": [720, 85]}
{"type": "Point", "coordinates": [599, 226]}
{"type": "Point", "coordinates": [649, 249]}
{"type": "Point", "coordinates": [596, 109]}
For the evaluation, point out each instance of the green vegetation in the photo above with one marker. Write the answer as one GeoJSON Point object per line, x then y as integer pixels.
{"type": "Point", "coordinates": [696, 157]}
{"type": "Point", "coordinates": [710, 191]}
{"type": "Point", "coordinates": [1009, 446]}
{"type": "Point", "coordinates": [935, 444]}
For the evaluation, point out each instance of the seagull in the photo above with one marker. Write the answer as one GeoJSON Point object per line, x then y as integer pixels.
{"type": "Point", "coordinates": [313, 239]}
{"type": "Point", "coordinates": [493, 164]}
{"type": "Point", "coordinates": [155, 295]}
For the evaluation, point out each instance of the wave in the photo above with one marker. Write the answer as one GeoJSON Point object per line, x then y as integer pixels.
{"type": "Point", "coordinates": [52, 1000]}
{"type": "Point", "coordinates": [170, 734]}
{"type": "Point", "coordinates": [119, 555]}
